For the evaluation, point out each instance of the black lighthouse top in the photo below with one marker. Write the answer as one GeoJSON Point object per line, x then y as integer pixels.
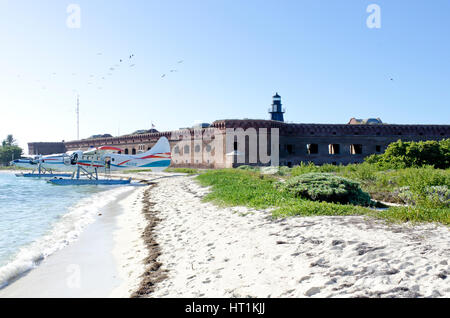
{"type": "Point", "coordinates": [276, 110]}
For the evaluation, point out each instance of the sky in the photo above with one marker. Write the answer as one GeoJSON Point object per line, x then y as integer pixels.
{"type": "Point", "coordinates": [230, 57]}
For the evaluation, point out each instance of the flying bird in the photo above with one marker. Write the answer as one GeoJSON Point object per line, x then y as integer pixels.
{"type": "Point", "coordinates": [181, 61]}
{"type": "Point", "coordinates": [164, 75]}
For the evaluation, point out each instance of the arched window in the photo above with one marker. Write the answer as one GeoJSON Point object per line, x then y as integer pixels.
{"type": "Point", "coordinates": [126, 151]}
{"type": "Point", "coordinates": [197, 148]}
{"type": "Point", "coordinates": [186, 149]}
{"type": "Point", "coordinates": [176, 150]}
{"type": "Point", "coordinates": [133, 152]}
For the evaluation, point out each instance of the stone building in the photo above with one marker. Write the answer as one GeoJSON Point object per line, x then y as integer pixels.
{"type": "Point", "coordinates": [46, 148]}
{"type": "Point", "coordinates": [207, 147]}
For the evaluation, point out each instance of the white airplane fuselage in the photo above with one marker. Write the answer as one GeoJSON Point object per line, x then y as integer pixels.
{"type": "Point", "coordinates": [156, 159]}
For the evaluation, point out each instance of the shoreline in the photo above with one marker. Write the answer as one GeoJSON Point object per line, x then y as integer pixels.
{"type": "Point", "coordinates": [162, 240]}
{"type": "Point", "coordinates": [96, 264]}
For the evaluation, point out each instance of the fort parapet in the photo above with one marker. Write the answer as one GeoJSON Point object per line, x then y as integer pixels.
{"type": "Point", "coordinates": [317, 143]}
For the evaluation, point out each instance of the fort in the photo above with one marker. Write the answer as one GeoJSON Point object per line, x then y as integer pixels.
{"type": "Point", "coordinates": [197, 147]}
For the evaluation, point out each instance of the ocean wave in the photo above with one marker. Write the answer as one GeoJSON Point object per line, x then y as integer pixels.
{"type": "Point", "coordinates": [64, 231]}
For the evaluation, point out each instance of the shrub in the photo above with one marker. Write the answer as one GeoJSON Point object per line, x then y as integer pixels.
{"type": "Point", "coordinates": [284, 171]}
{"type": "Point", "coordinates": [248, 168]}
{"type": "Point", "coordinates": [434, 196]}
{"type": "Point", "coordinates": [402, 154]}
{"type": "Point", "coordinates": [273, 170]}
{"type": "Point", "coordinates": [326, 187]}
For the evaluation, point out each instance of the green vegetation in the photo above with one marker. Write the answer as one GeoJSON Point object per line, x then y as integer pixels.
{"type": "Point", "coordinates": [414, 154]}
{"type": "Point", "coordinates": [424, 189]}
{"type": "Point", "coordinates": [9, 151]}
{"type": "Point", "coordinates": [247, 188]}
{"type": "Point", "coordinates": [326, 187]}
{"type": "Point", "coordinates": [182, 170]}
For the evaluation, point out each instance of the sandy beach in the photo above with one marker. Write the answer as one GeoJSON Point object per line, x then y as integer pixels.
{"type": "Point", "coordinates": [208, 251]}
{"type": "Point", "coordinates": [161, 240]}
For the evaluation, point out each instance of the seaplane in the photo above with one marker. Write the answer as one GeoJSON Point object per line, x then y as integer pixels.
{"type": "Point", "coordinates": [102, 159]}
{"type": "Point", "coordinates": [39, 164]}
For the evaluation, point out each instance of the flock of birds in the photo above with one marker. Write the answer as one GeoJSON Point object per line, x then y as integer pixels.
{"type": "Point", "coordinates": [173, 70]}
{"type": "Point", "coordinates": [127, 62]}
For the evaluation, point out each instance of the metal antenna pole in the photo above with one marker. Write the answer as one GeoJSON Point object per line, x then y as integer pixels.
{"type": "Point", "coordinates": [78, 117]}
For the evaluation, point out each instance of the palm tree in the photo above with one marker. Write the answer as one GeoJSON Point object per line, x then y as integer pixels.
{"type": "Point", "coordinates": [9, 141]}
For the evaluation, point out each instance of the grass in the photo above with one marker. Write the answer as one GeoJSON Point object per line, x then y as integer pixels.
{"type": "Point", "coordinates": [182, 170]}
{"type": "Point", "coordinates": [241, 187]}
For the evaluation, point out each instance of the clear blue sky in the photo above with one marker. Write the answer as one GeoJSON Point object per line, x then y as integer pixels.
{"type": "Point", "coordinates": [327, 65]}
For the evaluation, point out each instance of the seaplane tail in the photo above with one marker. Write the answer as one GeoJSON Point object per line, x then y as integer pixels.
{"type": "Point", "coordinates": [156, 159]}
{"type": "Point", "coordinates": [28, 163]}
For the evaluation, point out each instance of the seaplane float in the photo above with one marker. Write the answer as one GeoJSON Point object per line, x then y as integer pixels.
{"type": "Point", "coordinates": [83, 167]}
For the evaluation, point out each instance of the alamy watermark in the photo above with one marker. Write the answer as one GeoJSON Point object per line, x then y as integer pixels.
{"type": "Point", "coordinates": [74, 19]}
{"type": "Point", "coordinates": [374, 19]}
{"type": "Point", "coordinates": [73, 280]}
{"type": "Point", "coordinates": [224, 147]}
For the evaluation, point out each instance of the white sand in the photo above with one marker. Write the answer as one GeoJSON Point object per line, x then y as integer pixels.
{"type": "Point", "coordinates": [237, 252]}
{"type": "Point", "coordinates": [129, 249]}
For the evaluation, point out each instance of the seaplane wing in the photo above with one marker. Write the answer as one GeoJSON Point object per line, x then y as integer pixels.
{"type": "Point", "coordinates": [103, 150]}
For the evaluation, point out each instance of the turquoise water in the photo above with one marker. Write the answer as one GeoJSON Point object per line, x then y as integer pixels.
{"type": "Point", "coordinates": [38, 218]}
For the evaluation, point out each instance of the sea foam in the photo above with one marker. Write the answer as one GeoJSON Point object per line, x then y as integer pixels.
{"type": "Point", "coordinates": [64, 231]}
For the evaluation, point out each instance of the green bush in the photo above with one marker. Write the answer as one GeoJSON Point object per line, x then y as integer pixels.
{"type": "Point", "coordinates": [8, 153]}
{"type": "Point", "coordinates": [326, 187]}
{"type": "Point", "coordinates": [402, 154]}
{"type": "Point", "coordinates": [435, 196]}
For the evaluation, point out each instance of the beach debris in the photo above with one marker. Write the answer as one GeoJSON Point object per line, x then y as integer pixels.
{"type": "Point", "coordinates": [312, 291]}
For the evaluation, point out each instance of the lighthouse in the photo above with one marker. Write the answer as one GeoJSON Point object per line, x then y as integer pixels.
{"type": "Point", "coordinates": [276, 111]}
